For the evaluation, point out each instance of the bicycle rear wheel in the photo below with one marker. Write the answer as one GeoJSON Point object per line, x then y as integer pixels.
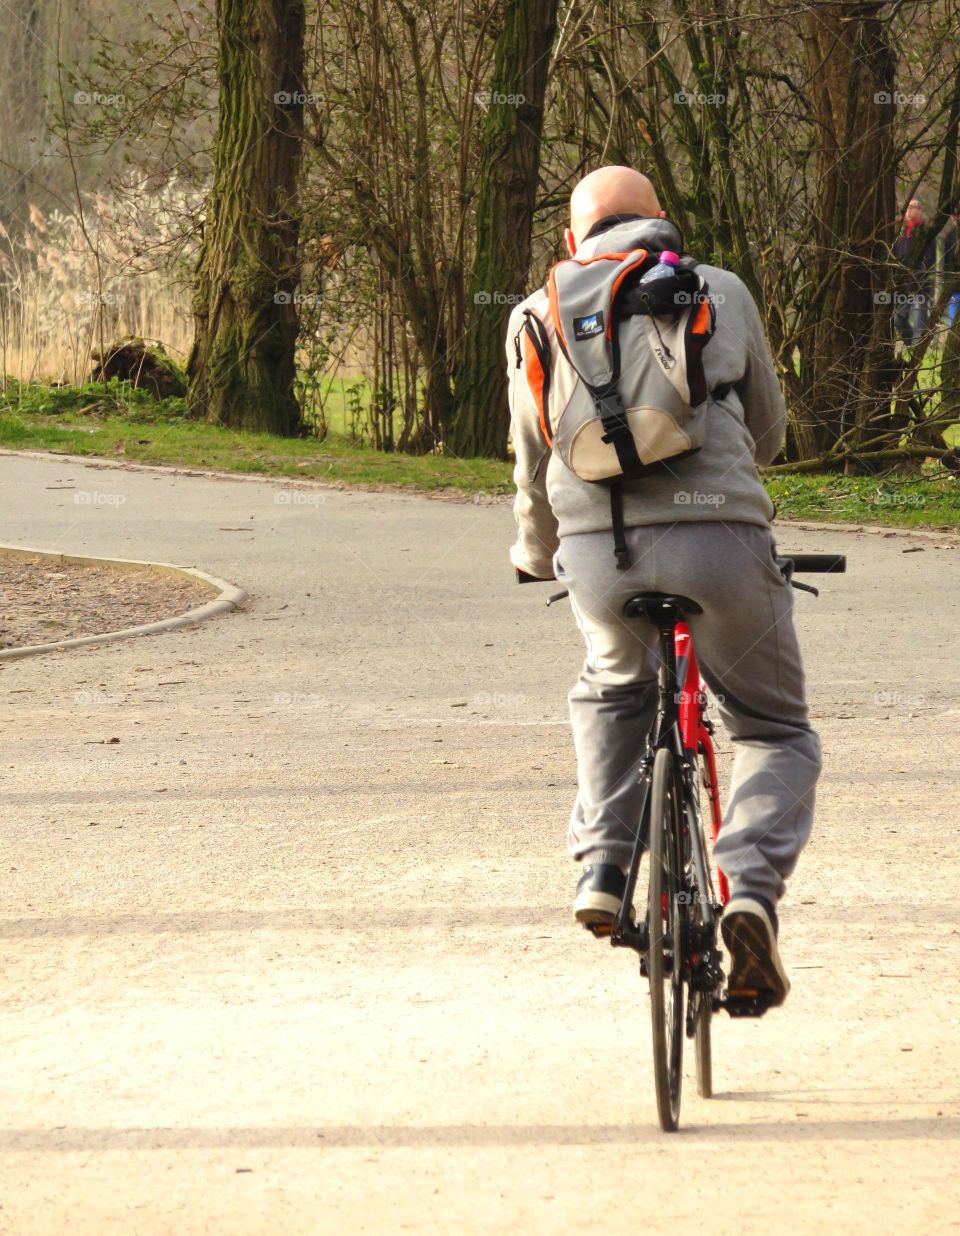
{"type": "Point", "coordinates": [703, 1051]}
{"type": "Point", "coordinates": [701, 907]}
{"type": "Point", "coordinates": [664, 950]}
{"type": "Point", "coordinates": [705, 809]}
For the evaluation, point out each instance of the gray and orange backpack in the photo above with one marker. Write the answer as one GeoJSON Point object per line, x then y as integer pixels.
{"type": "Point", "coordinates": [626, 392]}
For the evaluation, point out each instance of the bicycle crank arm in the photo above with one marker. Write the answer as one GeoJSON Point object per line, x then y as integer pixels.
{"type": "Point", "coordinates": [630, 935]}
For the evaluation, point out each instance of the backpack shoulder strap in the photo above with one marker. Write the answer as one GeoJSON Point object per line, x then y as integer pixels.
{"type": "Point", "coordinates": [583, 304]}
{"type": "Point", "coordinates": [722, 389]}
{"type": "Point", "coordinates": [535, 359]}
{"type": "Point", "coordinates": [620, 549]}
{"type": "Point", "coordinates": [583, 294]}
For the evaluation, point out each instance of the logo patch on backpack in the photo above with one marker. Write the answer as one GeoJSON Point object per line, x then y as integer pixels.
{"type": "Point", "coordinates": [586, 328]}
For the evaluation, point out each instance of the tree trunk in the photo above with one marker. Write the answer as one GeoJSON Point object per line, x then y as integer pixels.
{"type": "Point", "coordinates": [843, 354]}
{"type": "Point", "coordinates": [950, 376]}
{"type": "Point", "coordinates": [509, 173]}
{"type": "Point", "coordinates": [242, 365]}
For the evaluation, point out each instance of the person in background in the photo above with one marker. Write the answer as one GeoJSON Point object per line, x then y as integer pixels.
{"type": "Point", "coordinates": [912, 308]}
{"type": "Point", "coordinates": [950, 356]}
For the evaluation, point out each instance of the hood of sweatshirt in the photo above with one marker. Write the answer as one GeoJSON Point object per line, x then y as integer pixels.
{"type": "Point", "coordinates": [656, 234]}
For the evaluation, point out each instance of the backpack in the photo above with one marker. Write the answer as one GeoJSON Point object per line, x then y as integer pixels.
{"type": "Point", "coordinates": [627, 392]}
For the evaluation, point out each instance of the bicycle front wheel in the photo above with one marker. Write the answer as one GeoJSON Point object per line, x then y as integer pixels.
{"type": "Point", "coordinates": [665, 945]}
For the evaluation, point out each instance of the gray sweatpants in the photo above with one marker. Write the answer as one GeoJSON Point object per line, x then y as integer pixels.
{"type": "Point", "coordinates": [749, 656]}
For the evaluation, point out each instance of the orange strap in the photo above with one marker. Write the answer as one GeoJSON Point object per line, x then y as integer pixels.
{"type": "Point", "coordinates": [701, 321]}
{"type": "Point", "coordinates": [554, 304]}
{"type": "Point", "coordinates": [536, 380]}
{"type": "Point", "coordinates": [552, 283]}
{"type": "Point", "coordinates": [601, 257]}
{"type": "Point", "coordinates": [616, 284]}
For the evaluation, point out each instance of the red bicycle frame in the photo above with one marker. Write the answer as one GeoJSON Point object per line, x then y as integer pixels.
{"type": "Point", "coordinates": [694, 734]}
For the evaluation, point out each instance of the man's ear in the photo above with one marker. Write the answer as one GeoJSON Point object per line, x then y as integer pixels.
{"type": "Point", "coordinates": [662, 214]}
{"type": "Point", "coordinates": [571, 240]}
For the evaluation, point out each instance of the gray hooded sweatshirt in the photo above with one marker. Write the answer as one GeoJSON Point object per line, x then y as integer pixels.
{"type": "Point", "coordinates": [720, 482]}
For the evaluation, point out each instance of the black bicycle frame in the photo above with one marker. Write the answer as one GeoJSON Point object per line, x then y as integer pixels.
{"type": "Point", "coordinates": [666, 731]}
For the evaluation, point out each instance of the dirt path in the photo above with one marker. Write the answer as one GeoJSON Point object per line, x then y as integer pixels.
{"type": "Point", "coordinates": [293, 956]}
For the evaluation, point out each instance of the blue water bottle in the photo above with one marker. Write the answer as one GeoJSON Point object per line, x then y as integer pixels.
{"type": "Point", "coordinates": [656, 290]}
{"type": "Point", "coordinates": [665, 267]}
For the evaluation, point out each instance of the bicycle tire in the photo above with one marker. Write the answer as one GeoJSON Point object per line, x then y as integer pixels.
{"type": "Point", "coordinates": [664, 944]}
{"type": "Point", "coordinates": [702, 1047]}
{"type": "Point", "coordinates": [701, 1002]}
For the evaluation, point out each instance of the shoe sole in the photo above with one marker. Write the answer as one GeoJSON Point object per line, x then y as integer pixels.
{"type": "Point", "coordinates": [755, 965]}
{"type": "Point", "coordinates": [595, 909]}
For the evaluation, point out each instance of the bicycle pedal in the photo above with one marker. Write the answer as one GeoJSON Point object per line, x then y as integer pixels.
{"type": "Point", "coordinates": [746, 1002]}
{"type": "Point", "coordinates": [603, 931]}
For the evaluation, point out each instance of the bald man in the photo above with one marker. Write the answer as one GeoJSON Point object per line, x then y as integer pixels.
{"type": "Point", "coordinates": [698, 526]}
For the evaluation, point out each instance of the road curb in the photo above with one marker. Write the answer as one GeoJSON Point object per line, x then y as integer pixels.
{"type": "Point", "coordinates": [460, 497]}
{"type": "Point", "coordinates": [228, 597]}
{"type": "Point", "coordinates": [885, 530]}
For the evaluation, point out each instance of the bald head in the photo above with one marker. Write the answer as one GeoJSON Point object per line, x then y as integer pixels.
{"type": "Point", "coordinates": [611, 191]}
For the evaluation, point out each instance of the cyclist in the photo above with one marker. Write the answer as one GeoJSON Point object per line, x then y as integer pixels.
{"type": "Point", "coordinates": [698, 526]}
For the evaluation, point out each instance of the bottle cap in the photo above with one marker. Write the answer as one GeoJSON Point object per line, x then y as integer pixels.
{"type": "Point", "coordinates": [669, 257]}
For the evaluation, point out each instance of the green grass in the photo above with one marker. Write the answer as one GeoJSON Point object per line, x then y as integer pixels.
{"type": "Point", "coordinates": [340, 402]}
{"type": "Point", "coordinates": [118, 421]}
{"type": "Point", "coordinates": [897, 501]}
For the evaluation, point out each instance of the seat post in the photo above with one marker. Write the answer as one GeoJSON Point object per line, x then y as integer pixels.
{"type": "Point", "coordinates": [667, 678]}
{"type": "Point", "coordinates": [663, 610]}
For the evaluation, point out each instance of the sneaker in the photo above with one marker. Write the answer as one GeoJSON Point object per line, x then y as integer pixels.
{"type": "Point", "coordinates": [599, 895]}
{"type": "Point", "coordinates": [749, 927]}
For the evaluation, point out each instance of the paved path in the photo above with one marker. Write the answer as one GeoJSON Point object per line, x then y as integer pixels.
{"type": "Point", "coordinates": [284, 915]}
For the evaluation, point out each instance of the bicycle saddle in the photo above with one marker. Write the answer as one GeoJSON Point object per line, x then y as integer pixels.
{"type": "Point", "coordinates": [659, 607]}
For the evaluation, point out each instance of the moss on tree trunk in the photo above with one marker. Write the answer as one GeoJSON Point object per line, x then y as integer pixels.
{"type": "Point", "coordinates": [950, 377]}
{"type": "Point", "coordinates": [510, 159]}
{"type": "Point", "coordinates": [242, 364]}
{"type": "Point", "coordinates": [845, 360]}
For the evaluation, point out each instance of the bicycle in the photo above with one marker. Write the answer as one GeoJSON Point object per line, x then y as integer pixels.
{"type": "Point", "coordinates": [677, 935]}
